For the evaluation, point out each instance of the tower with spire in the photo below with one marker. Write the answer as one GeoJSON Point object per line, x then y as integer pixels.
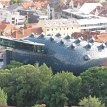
{"type": "Point", "coordinates": [48, 11]}
{"type": "Point", "coordinates": [65, 2]}
{"type": "Point", "coordinates": [71, 4]}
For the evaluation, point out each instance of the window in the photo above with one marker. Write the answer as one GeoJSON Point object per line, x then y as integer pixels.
{"type": "Point", "coordinates": [52, 29]}
{"type": "Point", "coordinates": [60, 28]}
{"type": "Point", "coordinates": [13, 18]}
{"type": "Point", "coordinates": [47, 29]}
{"type": "Point", "coordinates": [72, 27]}
{"type": "Point", "coordinates": [67, 28]}
{"type": "Point", "coordinates": [13, 22]}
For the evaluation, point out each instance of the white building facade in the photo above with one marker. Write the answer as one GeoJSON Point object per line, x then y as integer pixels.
{"type": "Point", "coordinates": [61, 26]}
{"type": "Point", "coordinates": [12, 17]}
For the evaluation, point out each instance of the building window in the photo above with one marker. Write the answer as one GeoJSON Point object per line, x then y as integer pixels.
{"type": "Point", "coordinates": [47, 29]}
{"type": "Point", "coordinates": [52, 29]}
{"type": "Point", "coordinates": [67, 28]}
{"type": "Point", "coordinates": [60, 28]}
{"type": "Point", "coordinates": [56, 28]}
{"type": "Point", "coordinates": [13, 18]}
{"type": "Point", "coordinates": [72, 27]}
{"type": "Point", "coordinates": [13, 22]}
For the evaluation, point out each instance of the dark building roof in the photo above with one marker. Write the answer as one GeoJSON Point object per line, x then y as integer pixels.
{"type": "Point", "coordinates": [14, 7]}
{"type": "Point", "coordinates": [73, 54]}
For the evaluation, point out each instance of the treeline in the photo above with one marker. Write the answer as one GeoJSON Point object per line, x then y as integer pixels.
{"type": "Point", "coordinates": [27, 85]}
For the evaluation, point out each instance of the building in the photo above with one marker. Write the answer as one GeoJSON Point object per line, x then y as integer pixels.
{"type": "Point", "coordinates": [87, 8]}
{"type": "Point", "coordinates": [70, 13]}
{"type": "Point", "coordinates": [62, 26]}
{"type": "Point", "coordinates": [59, 53]}
{"type": "Point", "coordinates": [31, 15]}
{"type": "Point", "coordinates": [12, 17]}
{"type": "Point", "coordinates": [25, 31]}
{"type": "Point", "coordinates": [93, 24]}
{"type": "Point", "coordinates": [1, 6]}
{"type": "Point", "coordinates": [87, 22]}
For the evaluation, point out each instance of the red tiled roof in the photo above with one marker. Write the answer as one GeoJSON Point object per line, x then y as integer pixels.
{"type": "Point", "coordinates": [104, 63]}
{"type": "Point", "coordinates": [5, 3]}
{"type": "Point", "coordinates": [86, 35]}
{"type": "Point", "coordinates": [35, 4]}
{"type": "Point", "coordinates": [101, 38]}
{"type": "Point", "coordinates": [2, 26]}
{"type": "Point", "coordinates": [26, 32]}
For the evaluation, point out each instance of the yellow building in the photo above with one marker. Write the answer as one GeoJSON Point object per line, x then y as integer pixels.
{"type": "Point", "coordinates": [62, 26]}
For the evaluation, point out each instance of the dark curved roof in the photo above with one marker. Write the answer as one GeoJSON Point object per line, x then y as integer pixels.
{"type": "Point", "coordinates": [75, 53]}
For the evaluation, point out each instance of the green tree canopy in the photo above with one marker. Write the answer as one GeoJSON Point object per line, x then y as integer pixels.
{"type": "Point", "coordinates": [15, 1]}
{"type": "Point", "coordinates": [91, 102]}
{"type": "Point", "coordinates": [3, 98]}
{"type": "Point", "coordinates": [13, 64]}
{"type": "Point", "coordinates": [94, 82]}
{"type": "Point", "coordinates": [37, 105]}
{"type": "Point", "coordinates": [24, 85]}
{"type": "Point", "coordinates": [63, 87]}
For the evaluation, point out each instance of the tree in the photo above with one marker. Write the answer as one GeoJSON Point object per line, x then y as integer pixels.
{"type": "Point", "coordinates": [15, 1]}
{"type": "Point", "coordinates": [3, 98]}
{"type": "Point", "coordinates": [24, 85]}
{"type": "Point", "coordinates": [30, 82]}
{"type": "Point", "coordinates": [94, 82]}
{"type": "Point", "coordinates": [37, 105]}
{"type": "Point", "coordinates": [13, 64]}
{"type": "Point", "coordinates": [91, 102]}
{"type": "Point", "coordinates": [62, 87]}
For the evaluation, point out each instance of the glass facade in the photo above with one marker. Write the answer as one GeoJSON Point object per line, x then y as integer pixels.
{"type": "Point", "coordinates": [22, 45]}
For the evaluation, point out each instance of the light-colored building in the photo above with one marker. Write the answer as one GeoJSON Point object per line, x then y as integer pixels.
{"type": "Point", "coordinates": [12, 17]}
{"type": "Point", "coordinates": [87, 8]}
{"type": "Point", "coordinates": [87, 22]}
{"type": "Point", "coordinates": [93, 24]}
{"type": "Point", "coordinates": [62, 26]}
{"type": "Point", "coordinates": [1, 6]}
{"type": "Point", "coordinates": [71, 13]}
